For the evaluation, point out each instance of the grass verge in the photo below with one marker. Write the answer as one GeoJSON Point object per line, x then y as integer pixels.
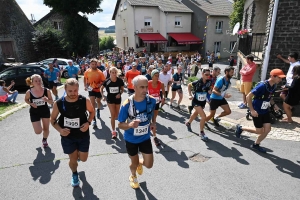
{"type": "Point", "coordinates": [4, 107]}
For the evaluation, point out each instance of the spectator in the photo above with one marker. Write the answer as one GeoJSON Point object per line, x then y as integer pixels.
{"type": "Point", "coordinates": [293, 94]}
{"type": "Point", "coordinates": [6, 94]}
{"type": "Point", "coordinates": [247, 73]}
{"type": "Point", "coordinates": [231, 61]}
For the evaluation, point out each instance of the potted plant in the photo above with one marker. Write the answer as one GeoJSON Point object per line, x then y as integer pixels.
{"type": "Point", "coordinates": [243, 33]}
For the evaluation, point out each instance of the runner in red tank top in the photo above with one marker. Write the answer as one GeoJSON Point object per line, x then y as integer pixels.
{"type": "Point", "coordinates": [154, 87]}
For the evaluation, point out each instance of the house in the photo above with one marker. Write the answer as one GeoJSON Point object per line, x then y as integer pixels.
{"type": "Point", "coordinates": [58, 23]}
{"type": "Point", "coordinates": [157, 25]}
{"type": "Point", "coordinates": [210, 21]}
{"type": "Point", "coordinates": [15, 33]}
{"type": "Point", "coordinates": [275, 29]}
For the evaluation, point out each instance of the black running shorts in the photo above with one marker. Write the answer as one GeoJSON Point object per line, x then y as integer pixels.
{"type": "Point", "coordinates": [144, 147]}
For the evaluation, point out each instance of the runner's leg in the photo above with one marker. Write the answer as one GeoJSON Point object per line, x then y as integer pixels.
{"type": "Point", "coordinates": [226, 111]}
{"type": "Point", "coordinates": [180, 96]}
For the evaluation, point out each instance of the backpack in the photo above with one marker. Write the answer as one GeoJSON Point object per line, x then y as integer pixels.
{"type": "Point", "coordinates": [132, 110]}
{"type": "Point", "coordinates": [268, 93]}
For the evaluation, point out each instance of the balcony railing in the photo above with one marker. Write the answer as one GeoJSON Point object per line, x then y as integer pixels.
{"type": "Point", "coordinates": [252, 44]}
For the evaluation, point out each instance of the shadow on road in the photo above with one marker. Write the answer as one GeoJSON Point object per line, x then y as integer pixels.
{"type": "Point", "coordinates": [104, 133]}
{"type": "Point", "coordinates": [86, 189]}
{"type": "Point", "coordinates": [163, 130]}
{"type": "Point", "coordinates": [119, 144]}
{"type": "Point", "coordinates": [44, 173]}
{"type": "Point", "coordinates": [141, 196]}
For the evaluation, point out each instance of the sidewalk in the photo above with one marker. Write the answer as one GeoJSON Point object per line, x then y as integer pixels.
{"type": "Point", "coordinates": [280, 130]}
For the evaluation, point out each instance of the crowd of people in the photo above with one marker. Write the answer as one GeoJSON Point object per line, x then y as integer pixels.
{"type": "Point", "coordinates": [148, 81]}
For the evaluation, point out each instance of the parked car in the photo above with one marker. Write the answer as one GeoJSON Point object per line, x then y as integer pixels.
{"type": "Point", "coordinates": [10, 62]}
{"type": "Point", "coordinates": [20, 73]}
{"type": "Point", "coordinates": [62, 63]}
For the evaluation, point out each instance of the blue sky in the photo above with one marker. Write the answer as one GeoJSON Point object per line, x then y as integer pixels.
{"type": "Point", "coordinates": [39, 10]}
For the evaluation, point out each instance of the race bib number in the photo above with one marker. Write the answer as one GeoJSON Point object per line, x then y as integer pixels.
{"type": "Point", "coordinates": [178, 83]}
{"type": "Point", "coordinates": [71, 123]}
{"type": "Point", "coordinates": [265, 105]}
{"type": "Point", "coordinates": [113, 90]}
{"type": "Point", "coordinates": [201, 96]}
{"type": "Point", "coordinates": [157, 99]}
{"type": "Point", "coordinates": [38, 102]}
{"type": "Point", "coordinates": [141, 130]}
{"type": "Point", "coordinates": [55, 81]}
{"type": "Point", "coordinates": [90, 88]}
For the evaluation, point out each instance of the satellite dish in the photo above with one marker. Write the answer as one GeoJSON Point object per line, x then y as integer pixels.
{"type": "Point", "coordinates": [236, 28]}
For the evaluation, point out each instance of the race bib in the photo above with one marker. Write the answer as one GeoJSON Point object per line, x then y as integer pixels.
{"type": "Point", "coordinates": [90, 88]}
{"type": "Point", "coordinates": [55, 81]}
{"type": "Point", "coordinates": [157, 99]}
{"type": "Point", "coordinates": [143, 68]}
{"type": "Point", "coordinates": [38, 102]}
{"type": "Point", "coordinates": [201, 96]}
{"type": "Point", "coordinates": [141, 130]}
{"type": "Point", "coordinates": [71, 123]}
{"type": "Point", "coordinates": [179, 83]}
{"type": "Point", "coordinates": [113, 90]}
{"type": "Point", "coordinates": [265, 105]}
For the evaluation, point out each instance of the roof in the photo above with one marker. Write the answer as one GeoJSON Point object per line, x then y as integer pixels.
{"type": "Point", "coordinates": [215, 7]}
{"type": "Point", "coordinates": [163, 5]}
{"type": "Point", "coordinates": [52, 12]}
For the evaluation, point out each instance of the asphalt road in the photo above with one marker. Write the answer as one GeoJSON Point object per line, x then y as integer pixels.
{"type": "Point", "coordinates": [231, 169]}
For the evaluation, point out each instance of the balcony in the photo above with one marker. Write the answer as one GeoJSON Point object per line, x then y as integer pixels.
{"type": "Point", "coordinates": [252, 44]}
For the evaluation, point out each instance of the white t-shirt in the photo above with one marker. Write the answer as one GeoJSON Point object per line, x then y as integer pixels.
{"type": "Point", "coordinates": [162, 57]}
{"type": "Point", "coordinates": [2, 92]}
{"type": "Point", "coordinates": [126, 68]}
{"type": "Point", "coordinates": [165, 79]}
{"type": "Point", "coordinates": [289, 75]}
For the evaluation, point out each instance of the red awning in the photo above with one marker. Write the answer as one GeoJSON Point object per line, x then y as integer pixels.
{"type": "Point", "coordinates": [185, 38]}
{"type": "Point", "coordinates": [152, 38]}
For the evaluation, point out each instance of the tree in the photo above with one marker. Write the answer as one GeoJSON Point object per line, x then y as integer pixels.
{"type": "Point", "coordinates": [106, 43]}
{"type": "Point", "coordinates": [47, 41]}
{"type": "Point", "coordinates": [237, 14]}
{"type": "Point", "coordinates": [75, 31]}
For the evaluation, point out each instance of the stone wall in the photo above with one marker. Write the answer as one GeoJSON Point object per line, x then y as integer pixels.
{"type": "Point", "coordinates": [16, 28]}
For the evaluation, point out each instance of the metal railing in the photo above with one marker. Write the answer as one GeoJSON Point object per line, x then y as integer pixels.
{"type": "Point", "coordinates": [252, 44]}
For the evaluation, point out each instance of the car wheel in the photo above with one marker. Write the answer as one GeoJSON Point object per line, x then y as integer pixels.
{"type": "Point", "coordinates": [65, 74]}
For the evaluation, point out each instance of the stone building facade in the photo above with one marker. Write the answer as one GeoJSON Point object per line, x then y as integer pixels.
{"type": "Point", "coordinates": [58, 22]}
{"type": "Point", "coordinates": [15, 33]}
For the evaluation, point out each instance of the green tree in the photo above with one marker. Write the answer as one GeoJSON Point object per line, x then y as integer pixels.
{"type": "Point", "coordinates": [106, 43]}
{"type": "Point", "coordinates": [47, 41]}
{"type": "Point", "coordinates": [237, 14]}
{"type": "Point", "coordinates": [76, 26]}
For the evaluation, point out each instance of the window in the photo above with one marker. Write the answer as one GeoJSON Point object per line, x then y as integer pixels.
{"type": "Point", "coordinates": [58, 25]}
{"type": "Point", "coordinates": [177, 21]}
{"type": "Point", "coordinates": [8, 73]}
{"type": "Point", "coordinates": [121, 7]}
{"type": "Point", "coordinates": [148, 21]}
{"type": "Point", "coordinates": [125, 5]}
{"type": "Point", "coordinates": [60, 62]}
{"type": "Point", "coordinates": [217, 47]}
{"type": "Point", "coordinates": [231, 46]}
{"type": "Point", "coordinates": [219, 27]}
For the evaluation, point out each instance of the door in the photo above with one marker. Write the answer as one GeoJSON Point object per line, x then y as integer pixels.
{"type": "Point", "coordinates": [7, 50]}
{"type": "Point", "coordinates": [153, 47]}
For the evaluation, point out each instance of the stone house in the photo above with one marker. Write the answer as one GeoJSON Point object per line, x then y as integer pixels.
{"type": "Point", "coordinates": [210, 21]}
{"type": "Point", "coordinates": [58, 22]}
{"type": "Point", "coordinates": [15, 33]}
{"type": "Point", "coordinates": [157, 25]}
{"type": "Point", "coordinates": [275, 30]}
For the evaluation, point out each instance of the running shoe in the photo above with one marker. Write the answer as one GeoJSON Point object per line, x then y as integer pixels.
{"type": "Point", "coordinates": [156, 141]}
{"type": "Point", "coordinates": [134, 182]}
{"type": "Point", "coordinates": [45, 143]}
{"type": "Point", "coordinates": [98, 113]}
{"type": "Point", "coordinates": [238, 131]}
{"type": "Point", "coordinates": [114, 134]}
{"type": "Point", "coordinates": [75, 180]}
{"type": "Point", "coordinates": [258, 148]}
{"type": "Point", "coordinates": [206, 125]}
{"type": "Point", "coordinates": [188, 125]}
{"type": "Point", "coordinates": [216, 121]}
{"type": "Point", "coordinates": [203, 137]}
{"type": "Point", "coordinates": [139, 169]}
{"type": "Point", "coordinates": [242, 106]}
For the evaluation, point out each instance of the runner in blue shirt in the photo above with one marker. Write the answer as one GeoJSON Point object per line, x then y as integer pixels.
{"type": "Point", "coordinates": [259, 101]}
{"type": "Point", "coordinates": [53, 76]}
{"type": "Point", "coordinates": [72, 70]}
{"type": "Point", "coordinates": [136, 118]}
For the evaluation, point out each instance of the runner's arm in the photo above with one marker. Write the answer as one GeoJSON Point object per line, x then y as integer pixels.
{"type": "Point", "coordinates": [162, 86]}
{"type": "Point", "coordinates": [216, 91]}
{"type": "Point", "coordinates": [53, 117]}
{"type": "Point", "coordinates": [249, 101]}
{"type": "Point", "coordinates": [101, 90]}
{"type": "Point", "coordinates": [90, 109]}
{"type": "Point", "coordinates": [190, 89]}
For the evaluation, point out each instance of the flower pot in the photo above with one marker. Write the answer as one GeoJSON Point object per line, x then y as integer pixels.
{"type": "Point", "coordinates": [243, 36]}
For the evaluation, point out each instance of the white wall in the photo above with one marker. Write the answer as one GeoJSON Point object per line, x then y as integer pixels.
{"type": "Point", "coordinates": [186, 21]}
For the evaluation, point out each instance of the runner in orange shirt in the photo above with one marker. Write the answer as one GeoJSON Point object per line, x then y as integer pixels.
{"type": "Point", "coordinates": [93, 79]}
{"type": "Point", "coordinates": [129, 77]}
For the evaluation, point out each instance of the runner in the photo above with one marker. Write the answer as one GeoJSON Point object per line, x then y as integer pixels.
{"type": "Point", "coordinates": [135, 118]}
{"type": "Point", "coordinates": [219, 95]}
{"type": "Point", "coordinates": [170, 68]}
{"type": "Point", "coordinates": [176, 87]}
{"type": "Point", "coordinates": [114, 87]}
{"type": "Point", "coordinates": [73, 71]}
{"type": "Point", "coordinates": [149, 70]}
{"type": "Point", "coordinates": [129, 77]}
{"type": "Point", "coordinates": [259, 100]}
{"type": "Point", "coordinates": [159, 65]}
{"type": "Point", "coordinates": [73, 125]}
{"type": "Point", "coordinates": [93, 79]}
{"type": "Point", "coordinates": [53, 76]}
{"type": "Point", "coordinates": [166, 79]}
{"type": "Point", "coordinates": [38, 98]}
{"type": "Point", "coordinates": [143, 65]}
{"type": "Point", "coordinates": [154, 88]}
{"type": "Point", "coordinates": [201, 88]}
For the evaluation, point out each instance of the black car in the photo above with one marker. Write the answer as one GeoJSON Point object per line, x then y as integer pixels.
{"type": "Point", "coordinates": [20, 73]}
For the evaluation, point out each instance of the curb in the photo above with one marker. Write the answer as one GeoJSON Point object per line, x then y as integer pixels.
{"type": "Point", "coordinates": [21, 106]}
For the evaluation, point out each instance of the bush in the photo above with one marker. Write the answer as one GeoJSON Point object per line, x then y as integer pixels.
{"type": "Point", "coordinates": [237, 14]}
{"type": "Point", "coordinates": [192, 79]}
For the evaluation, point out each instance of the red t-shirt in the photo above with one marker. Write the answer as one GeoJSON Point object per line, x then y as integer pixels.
{"type": "Point", "coordinates": [155, 92]}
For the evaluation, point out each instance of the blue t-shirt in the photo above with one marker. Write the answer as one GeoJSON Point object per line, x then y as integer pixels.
{"type": "Point", "coordinates": [53, 74]}
{"type": "Point", "coordinates": [262, 96]}
{"type": "Point", "coordinates": [72, 71]}
{"type": "Point", "coordinates": [101, 67]}
{"type": "Point", "coordinates": [148, 77]}
{"type": "Point", "coordinates": [177, 77]}
{"type": "Point", "coordinates": [221, 86]}
{"type": "Point", "coordinates": [139, 67]}
{"type": "Point", "coordinates": [141, 110]}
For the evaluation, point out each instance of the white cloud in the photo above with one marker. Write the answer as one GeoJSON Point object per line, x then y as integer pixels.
{"type": "Point", "coordinates": [39, 10]}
